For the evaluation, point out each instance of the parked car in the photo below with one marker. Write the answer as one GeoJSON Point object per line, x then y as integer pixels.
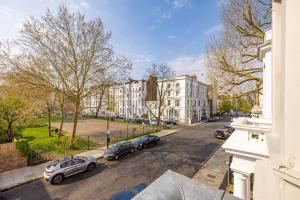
{"type": "Point", "coordinates": [146, 141]}
{"type": "Point", "coordinates": [115, 151]}
{"type": "Point", "coordinates": [170, 121]}
{"type": "Point", "coordinates": [212, 119]}
{"type": "Point", "coordinates": [229, 128]}
{"type": "Point", "coordinates": [222, 134]}
{"type": "Point", "coordinates": [60, 169]}
{"type": "Point", "coordinates": [129, 193]}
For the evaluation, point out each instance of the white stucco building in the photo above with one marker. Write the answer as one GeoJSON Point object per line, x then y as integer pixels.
{"type": "Point", "coordinates": [129, 98]}
{"type": "Point", "coordinates": [186, 99]}
{"type": "Point", "coordinates": [268, 147]}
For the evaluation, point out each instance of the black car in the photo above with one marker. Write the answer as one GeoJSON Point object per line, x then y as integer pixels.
{"type": "Point", "coordinates": [212, 119]}
{"type": "Point", "coordinates": [223, 134]}
{"type": "Point", "coordinates": [129, 193]}
{"type": "Point", "coordinates": [115, 151]}
{"type": "Point", "coordinates": [146, 141]}
{"type": "Point", "coordinates": [229, 128]}
{"type": "Point", "coordinates": [170, 121]}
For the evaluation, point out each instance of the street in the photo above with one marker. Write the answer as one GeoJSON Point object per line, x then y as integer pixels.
{"type": "Point", "coordinates": [183, 152]}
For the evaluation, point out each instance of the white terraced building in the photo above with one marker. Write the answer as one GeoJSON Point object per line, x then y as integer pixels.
{"type": "Point", "coordinates": [129, 98]}
{"type": "Point", "coordinates": [186, 99]}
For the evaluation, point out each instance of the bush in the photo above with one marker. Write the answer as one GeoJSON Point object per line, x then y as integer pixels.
{"type": "Point", "coordinates": [23, 147]}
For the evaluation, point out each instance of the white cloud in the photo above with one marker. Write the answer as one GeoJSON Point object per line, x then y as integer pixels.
{"type": "Point", "coordinates": [166, 15]}
{"type": "Point", "coordinates": [84, 4]}
{"type": "Point", "coordinates": [177, 4]}
{"type": "Point", "coordinates": [220, 2]}
{"type": "Point", "coordinates": [214, 29]}
{"type": "Point", "coordinates": [80, 6]}
{"type": "Point", "coordinates": [187, 65]}
{"type": "Point", "coordinates": [171, 37]}
{"type": "Point", "coordinates": [142, 58]}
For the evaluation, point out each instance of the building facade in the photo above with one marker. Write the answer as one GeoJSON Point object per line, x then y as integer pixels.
{"type": "Point", "coordinates": [186, 99]}
{"type": "Point", "coordinates": [268, 147]}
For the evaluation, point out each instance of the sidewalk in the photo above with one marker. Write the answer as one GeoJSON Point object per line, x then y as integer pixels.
{"type": "Point", "coordinates": [214, 170]}
{"type": "Point", "coordinates": [20, 176]}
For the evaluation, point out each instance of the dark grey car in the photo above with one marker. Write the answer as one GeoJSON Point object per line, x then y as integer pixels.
{"type": "Point", "coordinates": [115, 151]}
{"type": "Point", "coordinates": [146, 141]}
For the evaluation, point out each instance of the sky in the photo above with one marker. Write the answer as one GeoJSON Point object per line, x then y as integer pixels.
{"type": "Point", "coordinates": [173, 32]}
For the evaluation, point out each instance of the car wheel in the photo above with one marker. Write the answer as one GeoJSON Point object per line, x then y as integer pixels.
{"type": "Point", "coordinates": [91, 166]}
{"type": "Point", "coordinates": [57, 179]}
{"type": "Point", "coordinates": [116, 157]}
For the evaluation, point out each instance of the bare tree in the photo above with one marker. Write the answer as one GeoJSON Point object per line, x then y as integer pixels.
{"type": "Point", "coordinates": [232, 55]}
{"type": "Point", "coordinates": [65, 52]}
{"type": "Point", "coordinates": [160, 78]}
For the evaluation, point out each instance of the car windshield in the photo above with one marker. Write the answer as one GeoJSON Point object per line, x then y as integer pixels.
{"type": "Point", "coordinates": [116, 146]}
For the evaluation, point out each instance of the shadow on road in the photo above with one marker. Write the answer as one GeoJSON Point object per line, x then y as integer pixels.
{"type": "Point", "coordinates": [84, 175]}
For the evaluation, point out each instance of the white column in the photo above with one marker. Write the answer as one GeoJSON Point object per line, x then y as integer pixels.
{"type": "Point", "coordinates": [241, 186]}
{"type": "Point", "coordinates": [267, 86]}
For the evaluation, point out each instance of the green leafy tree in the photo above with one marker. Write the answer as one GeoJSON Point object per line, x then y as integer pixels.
{"type": "Point", "coordinates": [225, 105]}
{"type": "Point", "coordinates": [244, 106]}
{"type": "Point", "coordinates": [65, 142]}
{"type": "Point", "coordinates": [12, 114]}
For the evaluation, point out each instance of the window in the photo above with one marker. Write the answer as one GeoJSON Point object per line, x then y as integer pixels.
{"type": "Point", "coordinates": [169, 85]}
{"type": "Point", "coordinates": [77, 161]}
{"type": "Point", "coordinates": [177, 85]}
{"type": "Point", "coordinates": [177, 93]}
{"type": "Point", "coordinates": [177, 102]}
{"type": "Point", "coordinates": [65, 164]}
{"type": "Point", "coordinates": [169, 93]}
{"type": "Point", "coordinates": [169, 102]}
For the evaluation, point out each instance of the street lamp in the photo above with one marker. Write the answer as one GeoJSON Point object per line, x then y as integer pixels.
{"type": "Point", "coordinates": [107, 131]}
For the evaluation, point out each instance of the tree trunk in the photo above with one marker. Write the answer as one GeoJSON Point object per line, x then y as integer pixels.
{"type": "Point", "coordinates": [10, 132]}
{"type": "Point", "coordinates": [76, 113]}
{"type": "Point", "coordinates": [158, 118]}
{"type": "Point", "coordinates": [99, 106]}
{"type": "Point", "coordinates": [62, 110]}
{"type": "Point", "coordinates": [49, 122]}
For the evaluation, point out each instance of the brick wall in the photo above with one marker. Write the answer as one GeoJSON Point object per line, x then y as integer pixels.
{"type": "Point", "coordinates": [10, 158]}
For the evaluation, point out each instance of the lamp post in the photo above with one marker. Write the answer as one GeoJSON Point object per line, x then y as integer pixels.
{"type": "Point", "coordinates": [107, 131]}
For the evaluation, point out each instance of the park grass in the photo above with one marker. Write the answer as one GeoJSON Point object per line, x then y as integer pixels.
{"type": "Point", "coordinates": [43, 121]}
{"type": "Point", "coordinates": [40, 142]}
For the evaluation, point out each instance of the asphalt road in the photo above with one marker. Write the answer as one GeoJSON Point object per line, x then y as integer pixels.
{"type": "Point", "coordinates": [184, 152]}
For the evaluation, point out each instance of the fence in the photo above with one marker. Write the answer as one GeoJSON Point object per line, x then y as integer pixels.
{"type": "Point", "coordinates": [117, 135]}
{"type": "Point", "coordinates": [7, 147]}
{"type": "Point", "coordinates": [90, 142]}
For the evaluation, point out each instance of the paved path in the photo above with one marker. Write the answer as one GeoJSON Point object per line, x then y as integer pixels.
{"type": "Point", "coordinates": [213, 172]}
{"type": "Point", "coordinates": [184, 152]}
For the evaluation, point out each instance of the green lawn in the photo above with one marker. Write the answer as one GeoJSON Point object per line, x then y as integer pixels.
{"type": "Point", "coordinates": [43, 121]}
{"type": "Point", "coordinates": [39, 141]}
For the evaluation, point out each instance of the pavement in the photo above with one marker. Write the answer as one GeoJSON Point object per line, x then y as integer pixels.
{"type": "Point", "coordinates": [184, 152]}
{"type": "Point", "coordinates": [214, 170]}
{"type": "Point", "coordinates": [23, 175]}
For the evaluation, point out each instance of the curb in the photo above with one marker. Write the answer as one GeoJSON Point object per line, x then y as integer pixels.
{"type": "Point", "coordinates": [205, 161]}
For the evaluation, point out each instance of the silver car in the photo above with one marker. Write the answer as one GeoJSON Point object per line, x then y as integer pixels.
{"type": "Point", "coordinates": [60, 169]}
